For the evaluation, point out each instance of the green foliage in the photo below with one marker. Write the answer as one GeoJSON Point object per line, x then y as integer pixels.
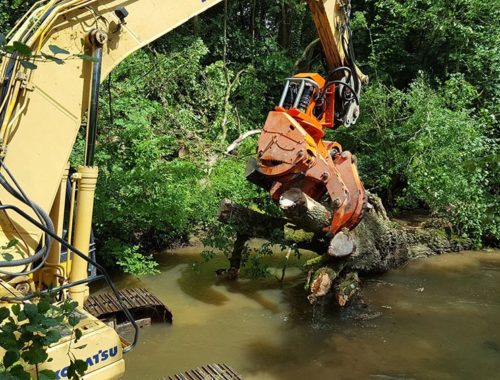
{"type": "Point", "coordinates": [129, 258]}
{"type": "Point", "coordinates": [162, 173]}
{"type": "Point", "coordinates": [438, 37]}
{"type": "Point", "coordinates": [11, 11]}
{"type": "Point", "coordinates": [27, 330]}
{"type": "Point", "coordinates": [423, 147]}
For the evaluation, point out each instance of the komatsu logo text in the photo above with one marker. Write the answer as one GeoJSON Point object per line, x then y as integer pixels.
{"type": "Point", "coordinates": [99, 357]}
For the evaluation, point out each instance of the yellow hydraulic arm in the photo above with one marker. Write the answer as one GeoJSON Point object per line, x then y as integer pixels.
{"type": "Point", "coordinates": [330, 18]}
{"type": "Point", "coordinates": [43, 109]}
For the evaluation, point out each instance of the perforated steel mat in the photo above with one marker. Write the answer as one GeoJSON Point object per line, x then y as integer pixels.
{"type": "Point", "coordinates": [208, 372]}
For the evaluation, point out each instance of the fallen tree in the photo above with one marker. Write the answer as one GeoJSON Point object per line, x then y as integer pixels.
{"type": "Point", "coordinates": [377, 244]}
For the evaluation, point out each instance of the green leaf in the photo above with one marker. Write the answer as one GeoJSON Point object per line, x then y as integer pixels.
{"type": "Point", "coordinates": [28, 65]}
{"type": "Point", "coordinates": [51, 321]}
{"type": "Point", "coordinates": [12, 243]}
{"type": "Point", "coordinates": [4, 313]}
{"type": "Point", "coordinates": [52, 336]}
{"type": "Point", "coordinates": [6, 376]}
{"type": "Point", "coordinates": [69, 306]}
{"type": "Point", "coordinates": [33, 328]}
{"type": "Point", "coordinates": [2, 39]}
{"type": "Point", "coordinates": [22, 316]}
{"type": "Point", "coordinates": [57, 50]}
{"type": "Point", "coordinates": [78, 335]}
{"type": "Point", "coordinates": [22, 48]}
{"type": "Point", "coordinates": [77, 367]}
{"type": "Point", "coordinates": [19, 373]}
{"type": "Point", "coordinates": [31, 310]}
{"type": "Point", "coordinates": [73, 320]}
{"type": "Point", "coordinates": [10, 358]}
{"type": "Point", "coordinates": [8, 341]}
{"type": "Point", "coordinates": [35, 355]}
{"type": "Point", "coordinates": [10, 326]}
{"type": "Point", "coordinates": [7, 256]}
{"type": "Point", "coordinates": [46, 374]}
{"type": "Point", "coordinates": [16, 308]}
{"type": "Point", "coordinates": [43, 306]}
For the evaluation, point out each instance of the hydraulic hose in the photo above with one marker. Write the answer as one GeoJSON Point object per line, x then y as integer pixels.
{"type": "Point", "coordinates": [44, 218]}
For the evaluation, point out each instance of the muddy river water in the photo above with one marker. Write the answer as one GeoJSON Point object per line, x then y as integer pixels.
{"type": "Point", "coordinates": [437, 318]}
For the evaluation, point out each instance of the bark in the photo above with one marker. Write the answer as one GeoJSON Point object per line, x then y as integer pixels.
{"type": "Point", "coordinates": [284, 26]}
{"type": "Point", "coordinates": [236, 256]}
{"type": "Point", "coordinates": [249, 222]}
{"type": "Point", "coordinates": [304, 211]}
{"type": "Point", "coordinates": [375, 245]}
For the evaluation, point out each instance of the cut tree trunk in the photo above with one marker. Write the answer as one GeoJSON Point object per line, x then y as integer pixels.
{"type": "Point", "coordinates": [375, 245]}
{"type": "Point", "coordinates": [304, 211]}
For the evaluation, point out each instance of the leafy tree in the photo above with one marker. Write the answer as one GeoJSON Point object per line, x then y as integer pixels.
{"type": "Point", "coordinates": [427, 148]}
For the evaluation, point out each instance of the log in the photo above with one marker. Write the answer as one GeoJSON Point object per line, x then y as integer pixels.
{"type": "Point", "coordinates": [304, 211]}
{"type": "Point", "coordinates": [249, 222]}
{"type": "Point", "coordinates": [236, 256]}
{"type": "Point", "coordinates": [376, 245]}
{"type": "Point", "coordinates": [347, 288]}
{"type": "Point", "coordinates": [321, 284]}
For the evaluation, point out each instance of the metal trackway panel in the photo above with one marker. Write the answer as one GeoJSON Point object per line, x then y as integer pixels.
{"type": "Point", "coordinates": [139, 301]}
{"type": "Point", "coordinates": [208, 372]}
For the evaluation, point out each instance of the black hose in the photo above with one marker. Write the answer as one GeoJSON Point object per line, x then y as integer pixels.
{"type": "Point", "coordinates": [341, 68]}
{"type": "Point", "coordinates": [355, 96]}
{"type": "Point", "coordinates": [40, 213]}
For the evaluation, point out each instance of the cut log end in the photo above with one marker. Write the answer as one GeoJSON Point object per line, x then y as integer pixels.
{"type": "Point", "coordinates": [341, 245]}
{"type": "Point", "coordinates": [321, 284]}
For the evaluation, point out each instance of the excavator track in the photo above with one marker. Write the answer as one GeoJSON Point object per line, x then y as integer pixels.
{"type": "Point", "coordinates": [208, 372]}
{"type": "Point", "coordinates": [139, 301]}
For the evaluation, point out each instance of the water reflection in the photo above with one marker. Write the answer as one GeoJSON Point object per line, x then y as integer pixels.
{"type": "Point", "coordinates": [435, 319]}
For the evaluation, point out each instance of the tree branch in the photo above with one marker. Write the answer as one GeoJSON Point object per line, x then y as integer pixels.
{"type": "Point", "coordinates": [236, 143]}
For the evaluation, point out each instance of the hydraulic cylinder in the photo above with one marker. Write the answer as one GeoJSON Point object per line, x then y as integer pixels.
{"type": "Point", "coordinates": [53, 267]}
{"type": "Point", "coordinates": [82, 231]}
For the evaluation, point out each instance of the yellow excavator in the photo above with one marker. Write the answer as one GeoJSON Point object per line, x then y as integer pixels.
{"type": "Point", "coordinates": [48, 93]}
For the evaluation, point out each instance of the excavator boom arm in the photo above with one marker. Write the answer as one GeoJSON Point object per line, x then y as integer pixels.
{"type": "Point", "coordinates": [43, 108]}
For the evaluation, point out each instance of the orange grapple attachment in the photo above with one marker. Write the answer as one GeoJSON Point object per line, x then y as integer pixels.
{"type": "Point", "coordinates": [292, 153]}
